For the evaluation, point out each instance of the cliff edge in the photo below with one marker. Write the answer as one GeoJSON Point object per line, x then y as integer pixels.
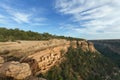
{"type": "Point", "coordinates": [41, 55]}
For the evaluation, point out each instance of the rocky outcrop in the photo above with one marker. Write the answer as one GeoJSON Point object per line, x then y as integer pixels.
{"type": "Point", "coordinates": [42, 55]}
{"type": "Point", "coordinates": [91, 47]}
{"type": "Point", "coordinates": [86, 46]}
{"type": "Point", "coordinates": [33, 65]}
{"type": "Point", "coordinates": [15, 70]}
{"type": "Point", "coordinates": [43, 60]}
{"type": "Point", "coordinates": [49, 57]}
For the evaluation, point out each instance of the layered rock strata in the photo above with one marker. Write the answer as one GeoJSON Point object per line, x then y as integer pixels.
{"type": "Point", "coordinates": [42, 55]}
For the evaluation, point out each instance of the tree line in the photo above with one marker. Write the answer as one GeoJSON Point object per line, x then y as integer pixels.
{"type": "Point", "coordinates": [16, 34]}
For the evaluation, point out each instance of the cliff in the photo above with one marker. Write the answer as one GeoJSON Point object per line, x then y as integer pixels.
{"type": "Point", "coordinates": [77, 57]}
{"type": "Point", "coordinates": [53, 53]}
{"type": "Point", "coordinates": [41, 55]}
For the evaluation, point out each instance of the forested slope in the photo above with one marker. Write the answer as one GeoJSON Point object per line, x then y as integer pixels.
{"type": "Point", "coordinates": [109, 48]}
{"type": "Point", "coordinates": [80, 65]}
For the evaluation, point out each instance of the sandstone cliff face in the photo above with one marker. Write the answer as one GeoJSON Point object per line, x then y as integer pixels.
{"type": "Point", "coordinates": [15, 69]}
{"type": "Point", "coordinates": [91, 47]}
{"type": "Point", "coordinates": [42, 55]}
{"type": "Point", "coordinates": [86, 46]}
{"type": "Point", "coordinates": [54, 54]}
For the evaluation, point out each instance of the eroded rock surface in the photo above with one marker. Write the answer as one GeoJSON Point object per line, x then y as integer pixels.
{"type": "Point", "coordinates": [91, 47]}
{"type": "Point", "coordinates": [1, 61]}
{"type": "Point", "coordinates": [52, 55]}
{"type": "Point", "coordinates": [42, 55]}
{"type": "Point", "coordinates": [15, 69]}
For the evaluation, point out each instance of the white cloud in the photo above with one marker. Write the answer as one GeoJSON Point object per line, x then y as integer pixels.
{"type": "Point", "coordinates": [16, 15]}
{"type": "Point", "coordinates": [20, 16]}
{"type": "Point", "coordinates": [95, 16]}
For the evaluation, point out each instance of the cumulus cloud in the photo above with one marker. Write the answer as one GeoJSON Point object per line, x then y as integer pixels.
{"type": "Point", "coordinates": [93, 16]}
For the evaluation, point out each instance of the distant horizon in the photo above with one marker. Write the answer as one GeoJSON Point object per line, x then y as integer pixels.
{"type": "Point", "coordinates": [102, 39]}
{"type": "Point", "coordinates": [88, 19]}
{"type": "Point", "coordinates": [61, 35]}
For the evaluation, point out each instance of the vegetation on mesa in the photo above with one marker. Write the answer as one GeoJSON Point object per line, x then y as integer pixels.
{"type": "Point", "coordinates": [81, 65]}
{"type": "Point", "coordinates": [16, 34]}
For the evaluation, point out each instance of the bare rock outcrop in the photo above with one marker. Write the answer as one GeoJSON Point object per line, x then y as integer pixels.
{"type": "Point", "coordinates": [91, 47]}
{"type": "Point", "coordinates": [15, 70]}
{"type": "Point", "coordinates": [42, 55]}
{"type": "Point", "coordinates": [86, 46]}
{"type": "Point", "coordinates": [47, 58]}
{"type": "Point", "coordinates": [33, 65]}
{"type": "Point", "coordinates": [41, 61]}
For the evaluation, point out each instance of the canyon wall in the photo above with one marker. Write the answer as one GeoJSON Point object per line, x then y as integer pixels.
{"type": "Point", "coordinates": [41, 55]}
{"type": "Point", "coordinates": [53, 54]}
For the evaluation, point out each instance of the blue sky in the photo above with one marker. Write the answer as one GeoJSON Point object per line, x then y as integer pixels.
{"type": "Point", "coordinates": [89, 19]}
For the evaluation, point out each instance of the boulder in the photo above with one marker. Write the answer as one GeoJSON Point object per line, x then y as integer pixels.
{"type": "Point", "coordinates": [15, 69]}
{"type": "Point", "coordinates": [33, 65]}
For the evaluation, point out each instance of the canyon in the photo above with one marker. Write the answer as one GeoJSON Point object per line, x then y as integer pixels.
{"type": "Point", "coordinates": [40, 55]}
{"type": "Point", "coordinates": [109, 48]}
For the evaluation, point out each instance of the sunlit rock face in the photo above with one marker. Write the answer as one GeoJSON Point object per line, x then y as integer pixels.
{"type": "Point", "coordinates": [49, 57]}
{"type": "Point", "coordinates": [86, 46]}
{"type": "Point", "coordinates": [91, 47]}
{"type": "Point", "coordinates": [42, 55]}
{"type": "Point", "coordinates": [15, 70]}
{"type": "Point", "coordinates": [52, 55]}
